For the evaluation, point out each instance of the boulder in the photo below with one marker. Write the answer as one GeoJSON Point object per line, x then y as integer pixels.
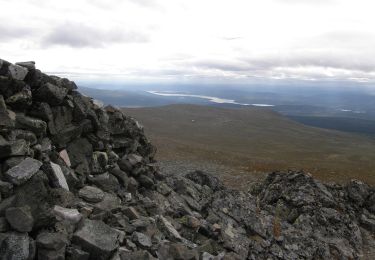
{"type": "Point", "coordinates": [34, 125]}
{"type": "Point", "coordinates": [23, 172]}
{"type": "Point", "coordinates": [51, 94]}
{"type": "Point", "coordinates": [20, 218]}
{"type": "Point", "coordinates": [97, 238]}
{"type": "Point", "coordinates": [17, 72]}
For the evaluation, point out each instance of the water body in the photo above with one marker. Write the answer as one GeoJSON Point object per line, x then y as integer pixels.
{"type": "Point", "coordinates": [209, 98]}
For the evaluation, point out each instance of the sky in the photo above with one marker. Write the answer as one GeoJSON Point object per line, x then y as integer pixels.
{"type": "Point", "coordinates": [230, 41]}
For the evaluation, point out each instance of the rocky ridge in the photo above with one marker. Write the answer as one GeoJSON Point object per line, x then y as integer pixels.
{"type": "Point", "coordinates": [78, 181]}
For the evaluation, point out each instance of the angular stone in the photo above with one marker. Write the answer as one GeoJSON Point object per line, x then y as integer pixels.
{"type": "Point", "coordinates": [30, 65]}
{"type": "Point", "coordinates": [6, 188]}
{"type": "Point", "coordinates": [64, 155]}
{"type": "Point", "coordinates": [131, 213]}
{"type": "Point", "coordinates": [20, 100]}
{"type": "Point", "coordinates": [76, 254]}
{"type": "Point", "coordinates": [97, 238]}
{"type": "Point", "coordinates": [99, 162]}
{"type": "Point", "coordinates": [29, 123]}
{"type": "Point", "coordinates": [17, 72]}
{"type": "Point", "coordinates": [105, 181]}
{"type": "Point", "coordinates": [4, 226]}
{"type": "Point", "coordinates": [50, 240]}
{"type": "Point", "coordinates": [41, 110]}
{"type": "Point", "coordinates": [16, 246]}
{"type": "Point", "coordinates": [23, 172]}
{"type": "Point", "coordinates": [91, 194]}
{"type": "Point", "coordinates": [146, 181]}
{"type": "Point", "coordinates": [19, 147]}
{"type": "Point", "coordinates": [20, 218]}
{"type": "Point", "coordinates": [80, 151]}
{"type": "Point", "coordinates": [51, 246]}
{"type": "Point", "coordinates": [7, 117]}
{"type": "Point", "coordinates": [177, 251]}
{"type": "Point", "coordinates": [168, 228]}
{"type": "Point", "coordinates": [5, 148]}
{"type": "Point", "coordinates": [142, 240]}
{"type": "Point", "coordinates": [59, 177]}
{"type": "Point", "coordinates": [51, 94]}
{"type": "Point", "coordinates": [71, 215]}
{"type": "Point", "coordinates": [109, 202]}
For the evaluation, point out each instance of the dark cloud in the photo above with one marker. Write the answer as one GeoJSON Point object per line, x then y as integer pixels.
{"type": "Point", "coordinates": [80, 36]}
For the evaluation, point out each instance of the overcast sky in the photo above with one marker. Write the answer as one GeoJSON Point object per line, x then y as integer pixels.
{"type": "Point", "coordinates": [193, 40]}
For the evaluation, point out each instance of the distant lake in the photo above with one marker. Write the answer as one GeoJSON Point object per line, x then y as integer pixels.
{"type": "Point", "coordinates": [209, 98]}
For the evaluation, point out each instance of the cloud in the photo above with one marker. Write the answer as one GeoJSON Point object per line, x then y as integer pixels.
{"type": "Point", "coordinates": [78, 35]}
{"type": "Point", "coordinates": [10, 32]}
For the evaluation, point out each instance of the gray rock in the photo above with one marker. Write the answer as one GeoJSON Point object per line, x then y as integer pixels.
{"type": "Point", "coordinates": [59, 177]}
{"type": "Point", "coordinates": [79, 151]}
{"type": "Point", "coordinates": [51, 246]}
{"type": "Point", "coordinates": [368, 221]}
{"type": "Point", "coordinates": [23, 172]}
{"type": "Point", "coordinates": [30, 65]}
{"type": "Point", "coordinates": [51, 94]}
{"type": "Point", "coordinates": [70, 215]}
{"type": "Point", "coordinates": [168, 229]}
{"type": "Point", "coordinates": [131, 213]}
{"type": "Point", "coordinates": [91, 194]}
{"type": "Point", "coordinates": [16, 246]}
{"type": "Point", "coordinates": [20, 218]}
{"type": "Point", "coordinates": [76, 254]}
{"type": "Point", "coordinates": [35, 125]}
{"type": "Point", "coordinates": [142, 240]}
{"type": "Point", "coordinates": [97, 238]}
{"type": "Point", "coordinates": [105, 181]}
{"type": "Point", "coordinates": [20, 100]}
{"type": "Point", "coordinates": [4, 226]}
{"type": "Point", "coordinates": [64, 155]}
{"type": "Point", "coordinates": [5, 148]}
{"type": "Point", "coordinates": [17, 72]}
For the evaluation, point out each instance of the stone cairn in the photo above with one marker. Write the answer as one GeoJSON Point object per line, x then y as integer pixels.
{"type": "Point", "coordinates": [77, 182]}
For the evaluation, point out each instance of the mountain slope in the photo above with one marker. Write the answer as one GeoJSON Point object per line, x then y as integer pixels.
{"type": "Point", "coordinates": [255, 140]}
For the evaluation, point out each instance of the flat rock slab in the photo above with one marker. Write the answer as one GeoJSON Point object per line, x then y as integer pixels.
{"type": "Point", "coordinates": [98, 238]}
{"type": "Point", "coordinates": [22, 172]}
{"type": "Point", "coordinates": [91, 194]}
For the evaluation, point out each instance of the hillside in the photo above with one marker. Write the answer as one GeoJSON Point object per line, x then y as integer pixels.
{"type": "Point", "coordinates": [253, 140]}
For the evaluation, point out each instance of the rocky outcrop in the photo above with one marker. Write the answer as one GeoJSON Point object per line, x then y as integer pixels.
{"type": "Point", "coordinates": [78, 182]}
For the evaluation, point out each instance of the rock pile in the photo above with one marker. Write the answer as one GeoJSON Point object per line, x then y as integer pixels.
{"type": "Point", "coordinates": [77, 182]}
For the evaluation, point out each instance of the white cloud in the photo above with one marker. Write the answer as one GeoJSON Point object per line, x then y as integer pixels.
{"type": "Point", "coordinates": [183, 40]}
